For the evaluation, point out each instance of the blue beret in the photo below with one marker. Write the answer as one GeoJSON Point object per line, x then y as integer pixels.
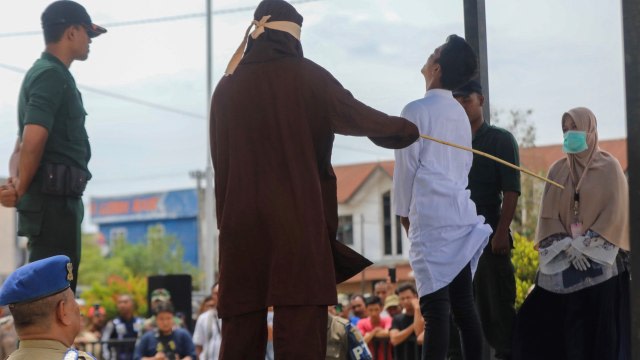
{"type": "Point", "coordinates": [37, 280]}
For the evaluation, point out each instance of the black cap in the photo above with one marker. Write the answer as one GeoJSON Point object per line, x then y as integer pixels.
{"type": "Point", "coordinates": [280, 10]}
{"type": "Point", "coordinates": [66, 12]}
{"type": "Point", "coordinates": [469, 88]}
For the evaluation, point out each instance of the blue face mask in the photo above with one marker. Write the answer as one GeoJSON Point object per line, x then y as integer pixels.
{"type": "Point", "coordinates": [575, 142]}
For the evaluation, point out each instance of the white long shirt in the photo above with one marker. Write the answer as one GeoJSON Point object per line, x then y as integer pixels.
{"type": "Point", "coordinates": [207, 334]}
{"type": "Point", "coordinates": [430, 188]}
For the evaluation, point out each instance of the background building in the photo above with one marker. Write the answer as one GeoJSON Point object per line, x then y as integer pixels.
{"type": "Point", "coordinates": [368, 224]}
{"type": "Point", "coordinates": [175, 213]}
{"type": "Point", "coordinates": [12, 253]}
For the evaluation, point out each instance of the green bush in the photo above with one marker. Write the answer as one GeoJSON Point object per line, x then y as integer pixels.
{"type": "Point", "coordinates": [525, 260]}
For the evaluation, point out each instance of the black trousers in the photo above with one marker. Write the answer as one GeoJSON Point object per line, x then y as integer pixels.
{"type": "Point", "coordinates": [495, 294]}
{"type": "Point", "coordinates": [456, 298]}
{"type": "Point", "coordinates": [53, 228]}
{"type": "Point", "coordinates": [589, 324]}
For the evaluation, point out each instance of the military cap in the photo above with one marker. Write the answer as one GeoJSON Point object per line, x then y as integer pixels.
{"type": "Point", "coordinates": [469, 88]}
{"type": "Point", "coordinates": [37, 280]}
{"type": "Point", "coordinates": [160, 294]}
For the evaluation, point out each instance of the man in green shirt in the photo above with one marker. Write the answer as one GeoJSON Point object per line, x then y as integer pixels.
{"type": "Point", "coordinates": [48, 168]}
{"type": "Point", "coordinates": [494, 190]}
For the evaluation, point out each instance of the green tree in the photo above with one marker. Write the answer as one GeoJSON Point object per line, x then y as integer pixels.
{"type": "Point", "coordinates": [126, 268]}
{"type": "Point", "coordinates": [526, 216]}
{"type": "Point", "coordinates": [518, 122]}
{"type": "Point", "coordinates": [160, 255]}
{"type": "Point", "coordinates": [95, 267]}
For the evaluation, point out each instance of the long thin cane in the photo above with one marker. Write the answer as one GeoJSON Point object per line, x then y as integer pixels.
{"type": "Point", "coordinates": [506, 163]}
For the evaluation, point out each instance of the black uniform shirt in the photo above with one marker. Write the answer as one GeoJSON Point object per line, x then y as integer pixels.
{"type": "Point", "coordinates": [488, 179]}
{"type": "Point", "coordinates": [49, 98]}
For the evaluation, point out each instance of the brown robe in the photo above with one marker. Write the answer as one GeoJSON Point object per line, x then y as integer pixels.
{"type": "Point", "coordinates": [272, 129]}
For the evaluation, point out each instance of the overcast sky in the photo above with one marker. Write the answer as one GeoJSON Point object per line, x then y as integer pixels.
{"type": "Point", "coordinates": [545, 55]}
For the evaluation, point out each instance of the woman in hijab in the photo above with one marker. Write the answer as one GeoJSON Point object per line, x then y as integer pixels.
{"type": "Point", "coordinates": [579, 307]}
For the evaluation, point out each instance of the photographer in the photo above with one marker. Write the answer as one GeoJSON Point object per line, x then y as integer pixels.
{"type": "Point", "coordinates": [165, 343]}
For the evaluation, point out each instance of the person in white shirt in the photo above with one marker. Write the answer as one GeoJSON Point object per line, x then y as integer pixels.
{"type": "Point", "coordinates": [207, 334]}
{"type": "Point", "coordinates": [430, 195]}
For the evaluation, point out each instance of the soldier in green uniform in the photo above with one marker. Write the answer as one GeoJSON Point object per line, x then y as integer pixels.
{"type": "Point", "coordinates": [344, 341]}
{"type": "Point", "coordinates": [45, 312]}
{"type": "Point", "coordinates": [48, 169]}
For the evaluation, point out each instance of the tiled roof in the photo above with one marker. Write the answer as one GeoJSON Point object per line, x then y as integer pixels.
{"type": "Point", "coordinates": [352, 177]}
{"type": "Point", "coordinates": [537, 159]}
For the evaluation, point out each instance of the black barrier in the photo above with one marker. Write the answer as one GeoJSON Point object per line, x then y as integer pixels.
{"type": "Point", "coordinates": [179, 286]}
{"type": "Point", "coordinates": [108, 350]}
{"type": "Point", "coordinates": [381, 346]}
{"type": "Point", "coordinates": [127, 346]}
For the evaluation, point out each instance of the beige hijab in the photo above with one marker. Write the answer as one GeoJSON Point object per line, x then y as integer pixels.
{"type": "Point", "coordinates": [598, 178]}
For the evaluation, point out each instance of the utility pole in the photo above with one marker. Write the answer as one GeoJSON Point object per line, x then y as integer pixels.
{"type": "Point", "coordinates": [631, 40]}
{"type": "Point", "coordinates": [199, 176]}
{"type": "Point", "coordinates": [362, 252]}
{"type": "Point", "coordinates": [209, 228]}
{"type": "Point", "coordinates": [475, 32]}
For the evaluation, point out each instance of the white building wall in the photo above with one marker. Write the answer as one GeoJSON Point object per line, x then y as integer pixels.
{"type": "Point", "coordinates": [367, 205]}
{"type": "Point", "coordinates": [8, 261]}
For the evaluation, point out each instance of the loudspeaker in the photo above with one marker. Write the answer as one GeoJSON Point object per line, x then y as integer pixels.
{"type": "Point", "coordinates": [179, 286]}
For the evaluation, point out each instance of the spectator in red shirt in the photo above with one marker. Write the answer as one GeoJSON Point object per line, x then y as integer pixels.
{"type": "Point", "coordinates": [375, 329]}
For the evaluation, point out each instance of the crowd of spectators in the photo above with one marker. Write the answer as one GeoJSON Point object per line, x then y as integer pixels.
{"type": "Point", "coordinates": [384, 325]}
{"type": "Point", "coordinates": [389, 321]}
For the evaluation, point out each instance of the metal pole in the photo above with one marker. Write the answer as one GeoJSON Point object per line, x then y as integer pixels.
{"type": "Point", "coordinates": [475, 32]}
{"type": "Point", "coordinates": [631, 35]}
{"type": "Point", "coordinates": [362, 252]}
{"type": "Point", "coordinates": [209, 227]}
{"type": "Point", "coordinates": [199, 176]}
{"type": "Point", "coordinates": [209, 57]}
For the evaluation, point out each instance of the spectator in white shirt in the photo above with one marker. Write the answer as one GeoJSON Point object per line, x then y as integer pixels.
{"type": "Point", "coordinates": [207, 334]}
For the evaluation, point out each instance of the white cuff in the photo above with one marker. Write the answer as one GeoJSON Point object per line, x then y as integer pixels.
{"type": "Point", "coordinates": [553, 259]}
{"type": "Point", "coordinates": [597, 249]}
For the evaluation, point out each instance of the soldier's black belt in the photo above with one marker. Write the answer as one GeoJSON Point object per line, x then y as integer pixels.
{"type": "Point", "coordinates": [63, 180]}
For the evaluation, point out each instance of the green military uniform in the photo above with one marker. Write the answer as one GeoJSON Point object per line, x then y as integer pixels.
{"type": "Point", "coordinates": [337, 344]}
{"type": "Point", "coordinates": [49, 98]}
{"type": "Point", "coordinates": [47, 350]}
{"type": "Point", "coordinates": [345, 341]}
{"type": "Point", "coordinates": [494, 281]}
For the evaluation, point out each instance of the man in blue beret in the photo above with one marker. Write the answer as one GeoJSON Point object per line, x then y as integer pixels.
{"type": "Point", "coordinates": [45, 313]}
